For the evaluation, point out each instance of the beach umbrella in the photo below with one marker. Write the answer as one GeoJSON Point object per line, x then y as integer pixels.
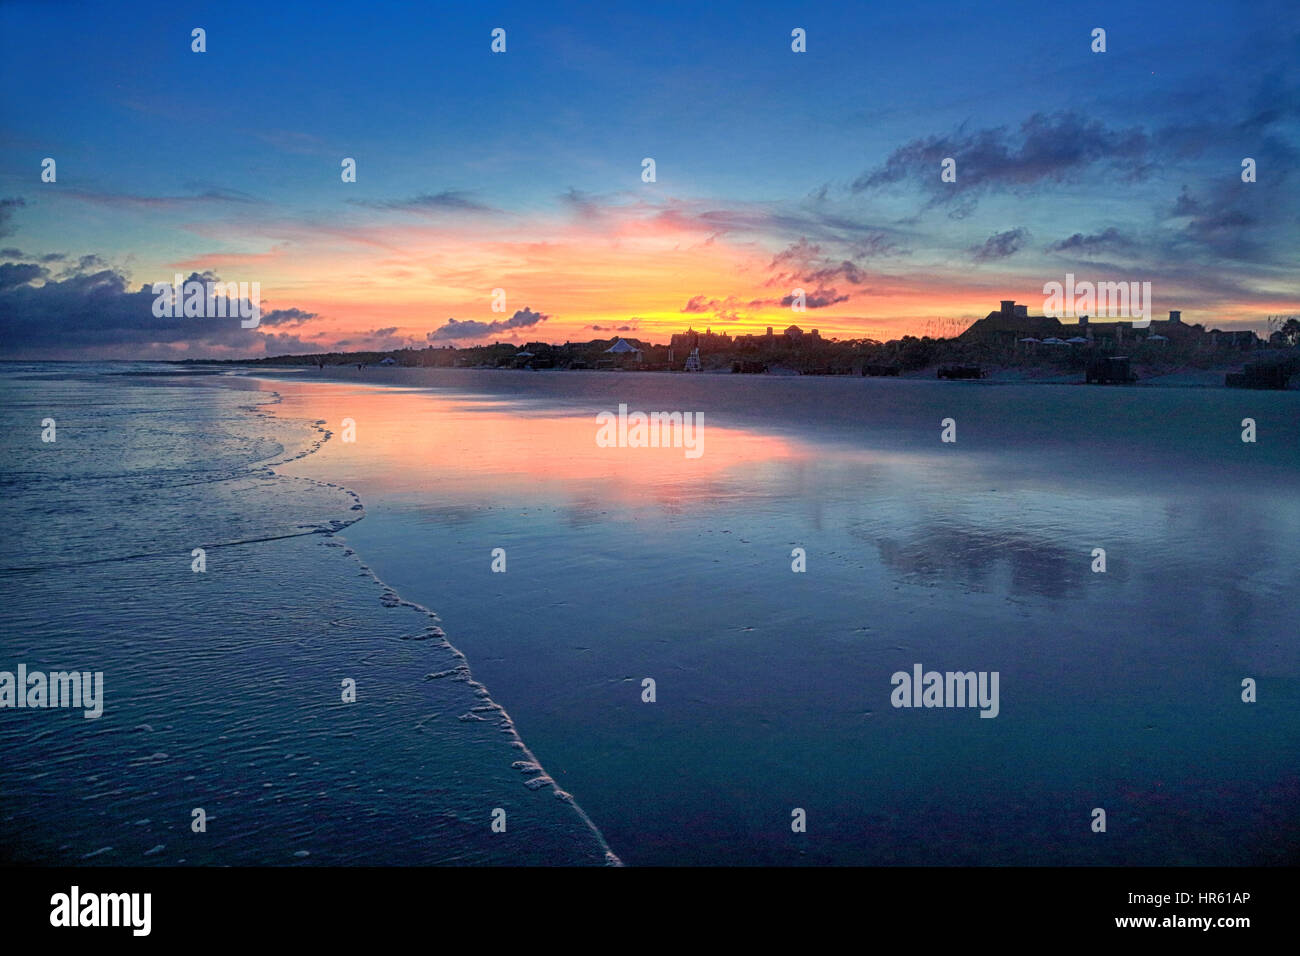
{"type": "Point", "coordinates": [1029, 338]}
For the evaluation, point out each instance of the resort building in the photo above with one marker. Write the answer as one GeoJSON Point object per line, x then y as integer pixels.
{"type": "Point", "coordinates": [1012, 326]}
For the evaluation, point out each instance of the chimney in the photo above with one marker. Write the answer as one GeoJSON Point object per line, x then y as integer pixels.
{"type": "Point", "coordinates": [1008, 306]}
{"type": "Point", "coordinates": [1175, 316]}
{"type": "Point", "coordinates": [1022, 311]}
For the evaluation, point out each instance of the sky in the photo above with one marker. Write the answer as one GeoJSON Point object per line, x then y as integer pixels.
{"type": "Point", "coordinates": [522, 170]}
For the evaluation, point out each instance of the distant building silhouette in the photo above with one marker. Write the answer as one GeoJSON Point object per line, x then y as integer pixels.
{"type": "Point", "coordinates": [1010, 324]}
{"type": "Point", "coordinates": [707, 341]}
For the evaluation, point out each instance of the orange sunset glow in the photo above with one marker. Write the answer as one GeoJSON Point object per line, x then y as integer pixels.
{"type": "Point", "coordinates": [453, 448]}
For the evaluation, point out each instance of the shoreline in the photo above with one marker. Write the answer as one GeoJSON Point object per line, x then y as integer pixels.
{"type": "Point", "coordinates": [297, 773]}
{"type": "Point", "coordinates": [1001, 554]}
{"type": "Point", "coordinates": [1186, 377]}
{"type": "Point", "coordinates": [529, 766]}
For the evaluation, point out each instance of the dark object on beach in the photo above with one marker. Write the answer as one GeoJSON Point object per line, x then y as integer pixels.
{"type": "Point", "coordinates": [748, 368]}
{"type": "Point", "coordinates": [880, 370]}
{"type": "Point", "coordinates": [1110, 370]}
{"type": "Point", "coordinates": [960, 371]}
{"type": "Point", "coordinates": [1260, 375]}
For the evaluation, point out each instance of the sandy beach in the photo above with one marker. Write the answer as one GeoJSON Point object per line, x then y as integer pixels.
{"type": "Point", "coordinates": [627, 564]}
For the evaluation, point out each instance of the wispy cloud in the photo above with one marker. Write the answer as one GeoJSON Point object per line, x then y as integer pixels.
{"type": "Point", "coordinates": [1047, 147]}
{"type": "Point", "coordinates": [1109, 240]}
{"type": "Point", "coordinates": [1000, 245]}
{"type": "Point", "coordinates": [449, 200]}
{"type": "Point", "coordinates": [471, 329]}
{"type": "Point", "coordinates": [7, 207]}
{"type": "Point", "coordinates": [204, 197]}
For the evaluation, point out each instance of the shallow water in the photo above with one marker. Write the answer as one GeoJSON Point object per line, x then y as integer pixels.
{"type": "Point", "coordinates": [223, 688]}
{"type": "Point", "coordinates": [1119, 690]}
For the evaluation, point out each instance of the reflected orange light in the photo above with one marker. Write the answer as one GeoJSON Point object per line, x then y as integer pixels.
{"type": "Point", "coordinates": [488, 451]}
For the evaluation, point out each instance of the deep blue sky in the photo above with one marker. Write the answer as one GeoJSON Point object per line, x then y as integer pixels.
{"type": "Point", "coordinates": [169, 159]}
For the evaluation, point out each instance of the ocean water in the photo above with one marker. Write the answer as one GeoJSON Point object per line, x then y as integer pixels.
{"type": "Point", "coordinates": [1118, 690]}
{"type": "Point", "coordinates": [223, 689]}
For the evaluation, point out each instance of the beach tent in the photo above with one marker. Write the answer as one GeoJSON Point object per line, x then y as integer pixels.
{"type": "Point", "coordinates": [1030, 338]}
{"type": "Point", "coordinates": [1077, 340]}
{"type": "Point", "coordinates": [622, 349]}
{"type": "Point", "coordinates": [1053, 341]}
{"type": "Point", "coordinates": [523, 355]}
